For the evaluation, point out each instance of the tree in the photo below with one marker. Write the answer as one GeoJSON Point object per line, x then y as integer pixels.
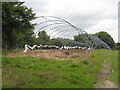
{"type": "Point", "coordinates": [118, 44]}
{"type": "Point", "coordinates": [16, 26]}
{"type": "Point", "coordinates": [105, 37]}
{"type": "Point", "coordinates": [43, 37]}
{"type": "Point", "coordinates": [79, 38]}
{"type": "Point", "coordinates": [117, 47]}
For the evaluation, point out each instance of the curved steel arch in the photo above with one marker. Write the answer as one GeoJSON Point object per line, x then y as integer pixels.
{"type": "Point", "coordinates": [61, 27]}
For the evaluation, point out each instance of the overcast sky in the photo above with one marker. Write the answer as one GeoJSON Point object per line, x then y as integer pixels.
{"type": "Point", "coordinates": [90, 15]}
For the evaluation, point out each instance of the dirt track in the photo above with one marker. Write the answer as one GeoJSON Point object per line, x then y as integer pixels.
{"type": "Point", "coordinates": [103, 83]}
{"type": "Point", "coordinates": [55, 54]}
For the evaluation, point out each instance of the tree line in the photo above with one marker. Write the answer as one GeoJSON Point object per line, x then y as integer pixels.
{"type": "Point", "coordinates": [17, 30]}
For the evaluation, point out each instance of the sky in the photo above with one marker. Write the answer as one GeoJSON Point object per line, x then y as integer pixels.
{"type": "Point", "coordinates": [90, 15]}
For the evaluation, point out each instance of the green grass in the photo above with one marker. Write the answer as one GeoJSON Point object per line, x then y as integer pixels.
{"type": "Point", "coordinates": [5, 52]}
{"type": "Point", "coordinates": [114, 66]}
{"type": "Point", "coordinates": [29, 72]}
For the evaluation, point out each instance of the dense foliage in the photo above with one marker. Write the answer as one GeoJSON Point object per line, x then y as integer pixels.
{"type": "Point", "coordinates": [79, 38]}
{"type": "Point", "coordinates": [117, 46]}
{"type": "Point", "coordinates": [105, 37]}
{"type": "Point", "coordinates": [16, 26]}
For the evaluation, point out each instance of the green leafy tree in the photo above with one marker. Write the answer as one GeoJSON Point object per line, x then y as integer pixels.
{"type": "Point", "coordinates": [79, 38]}
{"type": "Point", "coordinates": [105, 37]}
{"type": "Point", "coordinates": [16, 26]}
{"type": "Point", "coordinates": [57, 41]}
{"type": "Point", "coordinates": [118, 44]}
{"type": "Point", "coordinates": [43, 37]}
{"type": "Point", "coordinates": [117, 47]}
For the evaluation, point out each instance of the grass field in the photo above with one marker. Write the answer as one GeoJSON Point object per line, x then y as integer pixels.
{"type": "Point", "coordinates": [31, 72]}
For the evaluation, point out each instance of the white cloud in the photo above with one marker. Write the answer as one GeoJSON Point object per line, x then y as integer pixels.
{"type": "Point", "coordinates": [90, 15]}
{"type": "Point", "coordinates": [109, 25]}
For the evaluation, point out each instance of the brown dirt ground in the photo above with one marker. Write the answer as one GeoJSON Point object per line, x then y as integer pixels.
{"type": "Point", "coordinates": [54, 54]}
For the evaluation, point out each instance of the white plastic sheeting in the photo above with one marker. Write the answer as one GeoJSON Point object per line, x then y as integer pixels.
{"type": "Point", "coordinates": [27, 47]}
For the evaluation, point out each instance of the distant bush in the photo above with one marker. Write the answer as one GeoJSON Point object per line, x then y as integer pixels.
{"type": "Point", "coordinates": [117, 47]}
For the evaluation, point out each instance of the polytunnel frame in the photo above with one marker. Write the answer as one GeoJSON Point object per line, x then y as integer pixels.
{"type": "Point", "coordinates": [92, 41]}
{"type": "Point", "coordinates": [60, 23]}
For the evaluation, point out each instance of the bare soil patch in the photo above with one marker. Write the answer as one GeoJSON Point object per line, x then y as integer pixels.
{"type": "Point", "coordinates": [54, 54]}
